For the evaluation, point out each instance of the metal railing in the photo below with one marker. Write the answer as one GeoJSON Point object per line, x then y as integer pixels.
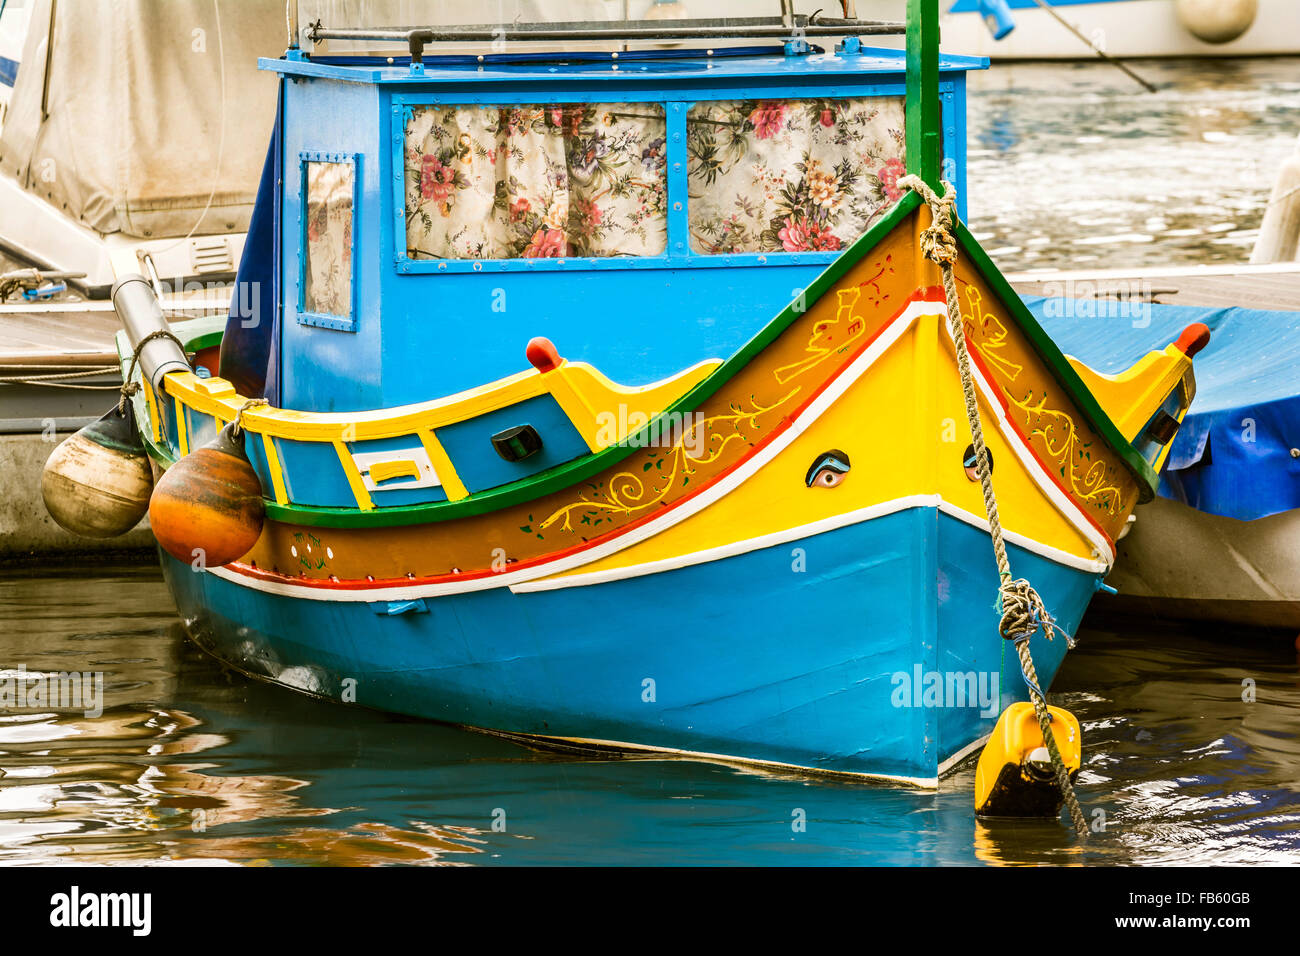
{"type": "Point", "coordinates": [794, 27]}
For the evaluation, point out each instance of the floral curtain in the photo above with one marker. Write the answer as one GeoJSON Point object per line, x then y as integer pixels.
{"type": "Point", "coordinates": [583, 179]}
{"type": "Point", "coordinates": [792, 176]}
{"type": "Point", "coordinates": [327, 275]}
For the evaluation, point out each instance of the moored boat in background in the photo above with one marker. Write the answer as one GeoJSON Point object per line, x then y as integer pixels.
{"type": "Point", "coordinates": [1221, 543]}
{"type": "Point", "coordinates": [1066, 29]}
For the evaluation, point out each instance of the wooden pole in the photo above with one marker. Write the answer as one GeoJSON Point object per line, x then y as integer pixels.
{"type": "Point", "coordinates": [924, 114]}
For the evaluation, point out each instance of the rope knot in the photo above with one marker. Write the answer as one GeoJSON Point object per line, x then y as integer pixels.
{"type": "Point", "coordinates": [129, 385]}
{"type": "Point", "coordinates": [938, 244]}
{"type": "Point", "coordinates": [1023, 611]}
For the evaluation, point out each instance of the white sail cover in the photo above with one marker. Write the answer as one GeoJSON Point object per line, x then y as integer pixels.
{"type": "Point", "coordinates": [151, 108]}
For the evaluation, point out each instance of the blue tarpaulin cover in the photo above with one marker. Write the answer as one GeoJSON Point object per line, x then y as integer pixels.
{"type": "Point", "coordinates": [1232, 456]}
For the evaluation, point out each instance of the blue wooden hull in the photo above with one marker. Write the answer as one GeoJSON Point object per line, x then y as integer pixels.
{"type": "Point", "coordinates": [829, 668]}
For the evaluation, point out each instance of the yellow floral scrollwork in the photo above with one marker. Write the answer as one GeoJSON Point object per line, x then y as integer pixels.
{"type": "Point", "coordinates": [702, 444]}
{"type": "Point", "coordinates": [1089, 479]}
{"type": "Point", "coordinates": [1087, 476]}
{"type": "Point", "coordinates": [994, 337]}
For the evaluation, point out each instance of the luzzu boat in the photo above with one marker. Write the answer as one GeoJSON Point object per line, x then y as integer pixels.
{"type": "Point", "coordinates": [731, 512]}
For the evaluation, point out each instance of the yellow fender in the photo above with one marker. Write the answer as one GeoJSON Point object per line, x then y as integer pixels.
{"type": "Point", "coordinates": [1014, 777]}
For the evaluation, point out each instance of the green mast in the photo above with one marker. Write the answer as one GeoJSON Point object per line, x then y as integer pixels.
{"type": "Point", "coordinates": [924, 115]}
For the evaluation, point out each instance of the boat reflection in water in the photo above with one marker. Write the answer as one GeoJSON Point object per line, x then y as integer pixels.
{"type": "Point", "coordinates": [140, 782]}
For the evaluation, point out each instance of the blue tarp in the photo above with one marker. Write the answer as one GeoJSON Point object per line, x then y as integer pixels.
{"type": "Point", "coordinates": [1233, 454]}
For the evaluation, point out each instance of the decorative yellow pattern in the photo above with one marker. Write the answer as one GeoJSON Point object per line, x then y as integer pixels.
{"type": "Point", "coordinates": [994, 339]}
{"type": "Point", "coordinates": [1072, 457]}
{"type": "Point", "coordinates": [825, 340]}
{"type": "Point", "coordinates": [1091, 480]}
{"type": "Point", "coordinates": [628, 493]}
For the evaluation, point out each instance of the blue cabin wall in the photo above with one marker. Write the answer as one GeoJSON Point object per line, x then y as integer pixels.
{"type": "Point", "coordinates": [326, 369]}
{"type": "Point", "coordinates": [428, 328]}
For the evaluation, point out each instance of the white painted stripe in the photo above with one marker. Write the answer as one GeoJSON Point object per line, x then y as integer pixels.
{"type": "Point", "coordinates": [733, 548]}
{"type": "Point", "coordinates": [798, 532]}
{"type": "Point", "coordinates": [1029, 544]}
{"type": "Point", "coordinates": [962, 754]}
{"type": "Point", "coordinates": [672, 516]}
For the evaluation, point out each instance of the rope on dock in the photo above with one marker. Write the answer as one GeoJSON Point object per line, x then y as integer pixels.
{"type": "Point", "coordinates": [1023, 611]}
{"type": "Point", "coordinates": [55, 379]}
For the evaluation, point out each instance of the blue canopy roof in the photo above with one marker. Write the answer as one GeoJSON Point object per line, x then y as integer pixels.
{"type": "Point", "coordinates": [662, 66]}
{"type": "Point", "coordinates": [1233, 455]}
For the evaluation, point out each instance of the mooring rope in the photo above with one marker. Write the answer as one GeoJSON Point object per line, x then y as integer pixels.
{"type": "Point", "coordinates": [130, 387]}
{"type": "Point", "coordinates": [51, 377]}
{"type": "Point", "coordinates": [1023, 611]}
{"type": "Point", "coordinates": [239, 415]}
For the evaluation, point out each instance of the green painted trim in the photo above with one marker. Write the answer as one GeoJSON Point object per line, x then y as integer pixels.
{"type": "Point", "coordinates": [1060, 367]}
{"type": "Point", "coordinates": [562, 476]}
{"type": "Point", "coordinates": [205, 341]}
{"type": "Point", "coordinates": [924, 130]}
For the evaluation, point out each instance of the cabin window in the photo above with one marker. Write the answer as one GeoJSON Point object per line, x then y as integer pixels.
{"type": "Point", "coordinates": [805, 175]}
{"type": "Point", "coordinates": [510, 182]}
{"type": "Point", "coordinates": [329, 190]}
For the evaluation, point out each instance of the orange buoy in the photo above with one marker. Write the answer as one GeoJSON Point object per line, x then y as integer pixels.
{"type": "Point", "coordinates": [207, 508]}
{"type": "Point", "coordinates": [97, 482]}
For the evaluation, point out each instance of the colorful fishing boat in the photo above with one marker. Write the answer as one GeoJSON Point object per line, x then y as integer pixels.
{"type": "Point", "coordinates": [610, 400]}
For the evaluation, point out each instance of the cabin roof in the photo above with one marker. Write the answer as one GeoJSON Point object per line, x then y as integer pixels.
{"type": "Point", "coordinates": [670, 67]}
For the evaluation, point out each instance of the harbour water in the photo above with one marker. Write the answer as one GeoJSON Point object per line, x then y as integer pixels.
{"type": "Point", "coordinates": [1191, 754]}
{"type": "Point", "coordinates": [1075, 166]}
{"type": "Point", "coordinates": [188, 763]}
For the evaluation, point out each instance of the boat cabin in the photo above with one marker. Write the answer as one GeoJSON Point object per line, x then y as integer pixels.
{"type": "Point", "coordinates": [645, 211]}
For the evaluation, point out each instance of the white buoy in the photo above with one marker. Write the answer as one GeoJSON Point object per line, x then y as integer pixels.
{"type": "Point", "coordinates": [1279, 233]}
{"type": "Point", "coordinates": [1217, 21]}
{"type": "Point", "coordinates": [97, 482]}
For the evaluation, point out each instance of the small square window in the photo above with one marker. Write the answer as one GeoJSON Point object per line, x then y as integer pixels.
{"type": "Point", "coordinates": [329, 193]}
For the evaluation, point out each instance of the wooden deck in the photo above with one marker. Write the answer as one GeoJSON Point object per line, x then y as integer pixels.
{"type": "Point", "coordinates": [63, 336]}
{"type": "Point", "coordinates": [58, 362]}
{"type": "Point", "coordinates": [78, 333]}
{"type": "Point", "coordinates": [1271, 287]}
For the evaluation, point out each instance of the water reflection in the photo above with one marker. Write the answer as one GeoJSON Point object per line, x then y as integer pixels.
{"type": "Point", "coordinates": [190, 764]}
{"type": "Point", "coordinates": [1075, 166]}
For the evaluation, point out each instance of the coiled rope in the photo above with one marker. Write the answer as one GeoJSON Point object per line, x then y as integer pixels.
{"type": "Point", "coordinates": [1023, 611]}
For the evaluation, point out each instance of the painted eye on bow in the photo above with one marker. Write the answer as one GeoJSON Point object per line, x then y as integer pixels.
{"type": "Point", "coordinates": [829, 470]}
{"type": "Point", "coordinates": [970, 462]}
